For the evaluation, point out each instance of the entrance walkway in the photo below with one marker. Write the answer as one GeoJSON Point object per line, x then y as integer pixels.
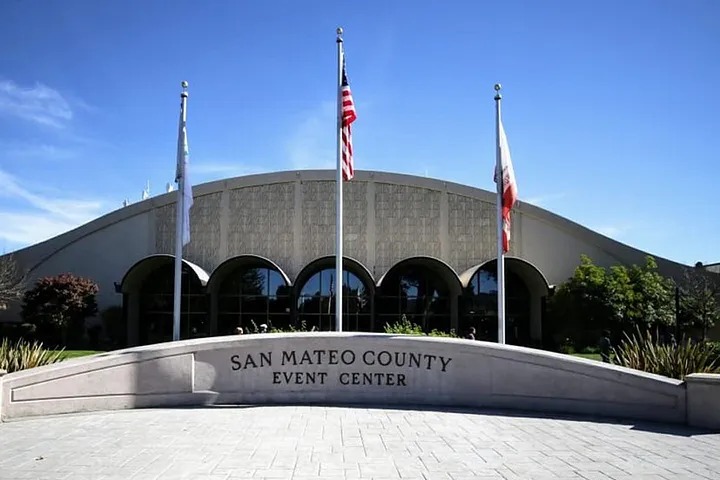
{"type": "Point", "coordinates": [337, 443]}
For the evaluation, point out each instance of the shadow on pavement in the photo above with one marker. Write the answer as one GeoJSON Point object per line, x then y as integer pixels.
{"type": "Point", "coordinates": [645, 426]}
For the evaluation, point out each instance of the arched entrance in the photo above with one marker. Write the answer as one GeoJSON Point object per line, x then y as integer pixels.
{"type": "Point", "coordinates": [148, 288]}
{"type": "Point", "coordinates": [525, 290]}
{"type": "Point", "coordinates": [315, 289]}
{"type": "Point", "coordinates": [424, 290]}
{"type": "Point", "coordinates": [248, 291]}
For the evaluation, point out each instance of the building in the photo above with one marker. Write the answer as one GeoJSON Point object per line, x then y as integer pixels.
{"type": "Point", "coordinates": [262, 251]}
{"type": "Point", "coordinates": [713, 267]}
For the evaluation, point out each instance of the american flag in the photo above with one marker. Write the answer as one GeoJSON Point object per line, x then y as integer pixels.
{"type": "Point", "coordinates": [348, 117]}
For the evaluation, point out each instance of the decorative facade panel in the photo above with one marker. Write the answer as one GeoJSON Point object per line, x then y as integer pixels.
{"type": "Point", "coordinates": [261, 222]}
{"type": "Point", "coordinates": [407, 223]}
{"type": "Point", "coordinates": [204, 246]}
{"type": "Point", "coordinates": [165, 229]}
{"type": "Point", "coordinates": [319, 220]}
{"type": "Point", "coordinates": [355, 216]}
{"type": "Point", "coordinates": [471, 231]}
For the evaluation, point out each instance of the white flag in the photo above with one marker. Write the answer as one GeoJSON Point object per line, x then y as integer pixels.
{"type": "Point", "coordinates": [182, 174]}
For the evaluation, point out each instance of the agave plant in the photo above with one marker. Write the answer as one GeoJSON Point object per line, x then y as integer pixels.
{"type": "Point", "coordinates": [23, 355]}
{"type": "Point", "coordinates": [643, 352]}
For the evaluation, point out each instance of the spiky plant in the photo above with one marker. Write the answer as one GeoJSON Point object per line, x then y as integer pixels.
{"type": "Point", "coordinates": [23, 355]}
{"type": "Point", "coordinates": [643, 352]}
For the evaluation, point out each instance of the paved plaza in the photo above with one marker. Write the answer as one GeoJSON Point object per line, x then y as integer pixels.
{"type": "Point", "coordinates": [335, 443]}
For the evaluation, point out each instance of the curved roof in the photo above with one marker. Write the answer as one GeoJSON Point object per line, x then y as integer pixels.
{"type": "Point", "coordinates": [349, 264]}
{"type": "Point", "coordinates": [229, 264]}
{"type": "Point", "coordinates": [155, 260]}
{"type": "Point", "coordinates": [44, 250]}
{"type": "Point", "coordinates": [439, 265]}
{"type": "Point", "coordinates": [467, 275]}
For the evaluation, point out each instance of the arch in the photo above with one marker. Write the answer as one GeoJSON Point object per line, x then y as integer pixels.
{"type": "Point", "coordinates": [246, 292]}
{"type": "Point", "coordinates": [147, 289]}
{"type": "Point", "coordinates": [326, 261]}
{"type": "Point", "coordinates": [250, 260]}
{"type": "Point", "coordinates": [136, 274]}
{"type": "Point", "coordinates": [439, 266]}
{"type": "Point", "coordinates": [526, 290]}
{"type": "Point", "coordinates": [519, 265]}
{"type": "Point", "coordinates": [424, 290]}
{"type": "Point", "coordinates": [315, 304]}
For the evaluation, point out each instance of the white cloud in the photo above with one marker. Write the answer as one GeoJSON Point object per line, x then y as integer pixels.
{"type": "Point", "coordinates": [312, 145]}
{"type": "Point", "coordinates": [29, 228]}
{"type": "Point", "coordinates": [30, 217]}
{"type": "Point", "coordinates": [541, 200]}
{"type": "Point", "coordinates": [40, 151]}
{"type": "Point", "coordinates": [38, 103]}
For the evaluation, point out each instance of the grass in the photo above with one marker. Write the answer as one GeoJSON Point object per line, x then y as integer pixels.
{"type": "Point", "coordinates": [68, 354]}
{"type": "Point", "coordinates": [591, 356]}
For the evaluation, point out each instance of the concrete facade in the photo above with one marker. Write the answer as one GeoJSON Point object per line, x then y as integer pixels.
{"type": "Point", "coordinates": [347, 368]}
{"type": "Point", "coordinates": [288, 220]}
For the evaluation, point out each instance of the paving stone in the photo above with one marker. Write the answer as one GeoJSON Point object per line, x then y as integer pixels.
{"type": "Point", "coordinates": [296, 443]}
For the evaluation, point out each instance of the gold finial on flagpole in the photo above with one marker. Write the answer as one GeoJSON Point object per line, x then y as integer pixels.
{"type": "Point", "coordinates": [497, 90]}
{"type": "Point", "coordinates": [339, 32]}
{"type": "Point", "coordinates": [184, 85]}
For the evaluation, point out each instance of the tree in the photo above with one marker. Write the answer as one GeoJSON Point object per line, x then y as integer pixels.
{"type": "Point", "coordinates": [581, 306]}
{"type": "Point", "coordinates": [700, 299]}
{"type": "Point", "coordinates": [621, 293]}
{"type": "Point", "coordinates": [651, 303]}
{"type": "Point", "coordinates": [12, 281]}
{"type": "Point", "coordinates": [60, 304]}
{"type": "Point", "coordinates": [618, 299]}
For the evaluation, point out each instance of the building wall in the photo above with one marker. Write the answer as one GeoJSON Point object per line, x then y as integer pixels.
{"type": "Point", "coordinates": [289, 217]}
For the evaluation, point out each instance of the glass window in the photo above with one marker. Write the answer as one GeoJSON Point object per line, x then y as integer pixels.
{"type": "Point", "coordinates": [316, 302]}
{"type": "Point", "coordinates": [419, 294]}
{"type": "Point", "coordinates": [480, 306]}
{"type": "Point", "coordinates": [250, 296]}
{"type": "Point", "coordinates": [157, 302]}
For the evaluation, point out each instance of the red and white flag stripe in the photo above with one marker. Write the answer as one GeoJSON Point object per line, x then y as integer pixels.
{"type": "Point", "coordinates": [348, 117]}
{"type": "Point", "coordinates": [509, 187]}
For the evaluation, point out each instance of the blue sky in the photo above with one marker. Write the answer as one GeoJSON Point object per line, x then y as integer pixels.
{"type": "Point", "coordinates": [611, 108]}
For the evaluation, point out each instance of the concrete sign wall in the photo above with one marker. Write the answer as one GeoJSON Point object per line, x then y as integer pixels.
{"type": "Point", "coordinates": [345, 368]}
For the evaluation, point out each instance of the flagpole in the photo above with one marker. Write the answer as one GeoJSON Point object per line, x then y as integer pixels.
{"type": "Point", "coordinates": [500, 254]}
{"type": "Point", "coordinates": [339, 191]}
{"type": "Point", "coordinates": [179, 219]}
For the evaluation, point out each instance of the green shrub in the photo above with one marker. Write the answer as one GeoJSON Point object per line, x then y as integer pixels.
{"type": "Point", "coordinates": [289, 329]}
{"type": "Point", "coordinates": [442, 333]}
{"type": "Point", "coordinates": [643, 352]}
{"type": "Point", "coordinates": [23, 355]}
{"type": "Point", "coordinates": [567, 347]}
{"type": "Point", "coordinates": [404, 327]}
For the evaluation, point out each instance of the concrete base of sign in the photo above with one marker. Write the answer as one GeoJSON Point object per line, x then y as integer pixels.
{"type": "Point", "coordinates": [703, 400]}
{"type": "Point", "coordinates": [341, 368]}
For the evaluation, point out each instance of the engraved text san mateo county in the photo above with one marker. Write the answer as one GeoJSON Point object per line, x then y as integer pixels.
{"type": "Point", "coordinates": [359, 375]}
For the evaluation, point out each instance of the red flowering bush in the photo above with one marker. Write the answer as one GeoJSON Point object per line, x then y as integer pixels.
{"type": "Point", "coordinates": [60, 304]}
